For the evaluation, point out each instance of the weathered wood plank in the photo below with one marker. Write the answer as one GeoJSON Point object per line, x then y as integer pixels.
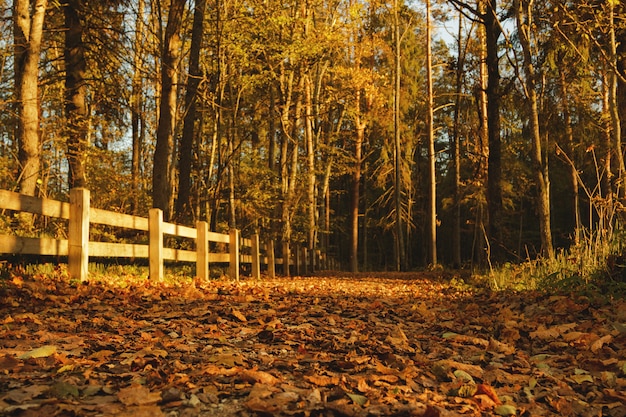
{"type": "Point", "coordinates": [218, 237]}
{"type": "Point", "coordinates": [46, 207]}
{"type": "Point", "coordinates": [78, 234]}
{"type": "Point", "coordinates": [117, 250]}
{"type": "Point", "coordinates": [18, 245]}
{"type": "Point", "coordinates": [111, 218]}
{"type": "Point", "coordinates": [179, 255]}
{"type": "Point", "coordinates": [179, 230]}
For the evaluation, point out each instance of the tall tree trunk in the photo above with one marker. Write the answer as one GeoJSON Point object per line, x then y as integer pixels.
{"type": "Point", "coordinates": [183, 203]}
{"type": "Point", "coordinates": [136, 104]}
{"type": "Point", "coordinates": [456, 149]}
{"type": "Point", "coordinates": [432, 175]}
{"type": "Point", "coordinates": [613, 105]}
{"type": "Point", "coordinates": [75, 95]}
{"type": "Point", "coordinates": [523, 12]}
{"type": "Point", "coordinates": [161, 183]}
{"type": "Point", "coordinates": [399, 243]}
{"type": "Point", "coordinates": [311, 177]}
{"type": "Point", "coordinates": [494, 166]}
{"type": "Point", "coordinates": [27, 32]}
{"type": "Point", "coordinates": [356, 183]}
{"type": "Point", "coordinates": [481, 225]}
{"type": "Point", "coordinates": [569, 148]}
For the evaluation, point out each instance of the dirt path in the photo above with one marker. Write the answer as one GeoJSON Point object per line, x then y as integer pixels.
{"type": "Point", "coordinates": [383, 345]}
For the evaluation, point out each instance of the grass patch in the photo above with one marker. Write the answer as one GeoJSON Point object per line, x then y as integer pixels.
{"type": "Point", "coordinates": [596, 265]}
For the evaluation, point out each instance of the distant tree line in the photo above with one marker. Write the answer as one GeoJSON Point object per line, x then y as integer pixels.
{"type": "Point", "coordinates": [389, 134]}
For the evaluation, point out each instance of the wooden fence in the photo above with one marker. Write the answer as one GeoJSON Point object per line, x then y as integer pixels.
{"type": "Point", "coordinates": [78, 248]}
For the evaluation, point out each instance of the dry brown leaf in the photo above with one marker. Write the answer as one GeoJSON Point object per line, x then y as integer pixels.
{"type": "Point", "coordinates": [598, 344]}
{"type": "Point", "coordinates": [322, 380]}
{"type": "Point", "coordinates": [138, 395]}
{"type": "Point", "coordinates": [239, 315]}
{"type": "Point", "coordinates": [253, 375]}
{"type": "Point", "coordinates": [142, 411]}
{"type": "Point", "coordinates": [553, 332]}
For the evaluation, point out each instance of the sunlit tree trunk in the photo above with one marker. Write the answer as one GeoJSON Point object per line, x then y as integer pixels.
{"type": "Point", "coordinates": [28, 31]}
{"type": "Point", "coordinates": [481, 228]}
{"type": "Point", "coordinates": [613, 103]}
{"type": "Point", "coordinates": [399, 242]}
{"type": "Point", "coordinates": [75, 95]}
{"type": "Point", "coordinates": [161, 181]}
{"type": "Point", "coordinates": [286, 148]}
{"type": "Point", "coordinates": [359, 125]}
{"type": "Point", "coordinates": [432, 177]}
{"type": "Point", "coordinates": [310, 152]}
{"type": "Point", "coordinates": [523, 12]}
{"type": "Point", "coordinates": [136, 103]}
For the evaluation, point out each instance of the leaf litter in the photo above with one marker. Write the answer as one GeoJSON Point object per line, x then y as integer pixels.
{"type": "Point", "coordinates": [346, 345]}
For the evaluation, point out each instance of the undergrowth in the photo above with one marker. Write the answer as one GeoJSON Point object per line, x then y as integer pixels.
{"type": "Point", "coordinates": [596, 265]}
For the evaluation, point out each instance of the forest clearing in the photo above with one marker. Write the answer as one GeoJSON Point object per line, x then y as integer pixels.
{"type": "Point", "coordinates": [384, 344]}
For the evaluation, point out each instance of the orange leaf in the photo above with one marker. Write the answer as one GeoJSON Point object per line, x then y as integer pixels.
{"type": "Point", "coordinates": [489, 391]}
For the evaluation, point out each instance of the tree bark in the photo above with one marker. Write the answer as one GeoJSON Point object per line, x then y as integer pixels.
{"type": "Point", "coordinates": [399, 242]}
{"type": "Point", "coordinates": [494, 165]}
{"type": "Point", "coordinates": [569, 148]}
{"type": "Point", "coordinates": [75, 95]}
{"type": "Point", "coordinates": [523, 12]}
{"type": "Point", "coordinates": [161, 183]}
{"type": "Point", "coordinates": [356, 183]}
{"type": "Point", "coordinates": [185, 160]}
{"type": "Point", "coordinates": [456, 149]}
{"type": "Point", "coordinates": [311, 177]}
{"type": "Point", "coordinates": [28, 33]}
{"type": "Point", "coordinates": [136, 103]}
{"type": "Point", "coordinates": [432, 175]}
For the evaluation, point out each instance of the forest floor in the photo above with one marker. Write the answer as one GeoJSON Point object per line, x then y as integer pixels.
{"type": "Point", "coordinates": [345, 345]}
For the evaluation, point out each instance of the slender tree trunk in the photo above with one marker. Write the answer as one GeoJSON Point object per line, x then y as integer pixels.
{"type": "Point", "coordinates": [613, 105]}
{"type": "Point", "coordinates": [432, 177]}
{"type": "Point", "coordinates": [136, 104]}
{"type": "Point", "coordinates": [161, 183]}
{"type": "Point", "coordinates": [494, 167]}
{"type": "Point", "coordinates": [75, 95]}
{"type": "Point", "coordinates": [456, 150]}
{"type": "Point", "coordinates": [286, 90]}
{"type": "Point", "coordinates": [540, 166]}
{"type": "Point", "coordinates": [569, 148]}
{"type": "Point", "coordinates": [185, 160]}
{"type": "Point", "coordinates": [356, 184]}
{"type": "Point", "coordinates": [399, 243]}
{"type": "Point", "coordinates": [481, 238]}
{"type": "Point", "coordinates": [311, 178]}
{"type": "Point", "coordinates": [28, 31]}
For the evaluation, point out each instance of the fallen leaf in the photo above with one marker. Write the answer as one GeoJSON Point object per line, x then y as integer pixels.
{"type": "Point", "coordinates": [358, 399]}
{"type": "Point", "coordinates": [598, 344]}
{"type": "Point", "coordinates": [505, 410]}
{"type": "Point", "coordinates": [41, 352]}
{"type": "Point", "coordinates": [138, 395]}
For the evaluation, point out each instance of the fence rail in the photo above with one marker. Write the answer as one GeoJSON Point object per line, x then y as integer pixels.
{"type": "Point", "coordinates": [78, 248]}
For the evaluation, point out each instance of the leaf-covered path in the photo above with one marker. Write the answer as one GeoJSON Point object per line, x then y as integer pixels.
{"type": "Point", "coordinates": [383, 345]}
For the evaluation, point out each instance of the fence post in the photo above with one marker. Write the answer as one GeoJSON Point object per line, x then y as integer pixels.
{"type": "Point", "coordinates": [202, 249]}
{"type": "Point", "coordinates": [286, 260]}
{"type": "Point", "coordinates": [78, 234]}
{"type": "Point", "coordinates": [271, 258]}
{"type": "Point", "coordinates": [155, 248]}
{"type": "Point", "coordinates": [297, 261]}
{"type": "Point", "coordinates": [256, 257]}
{"type": "Point", "coordinates": [233, 248]}
{"type": "Point", "coordinates": [305, 261]}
